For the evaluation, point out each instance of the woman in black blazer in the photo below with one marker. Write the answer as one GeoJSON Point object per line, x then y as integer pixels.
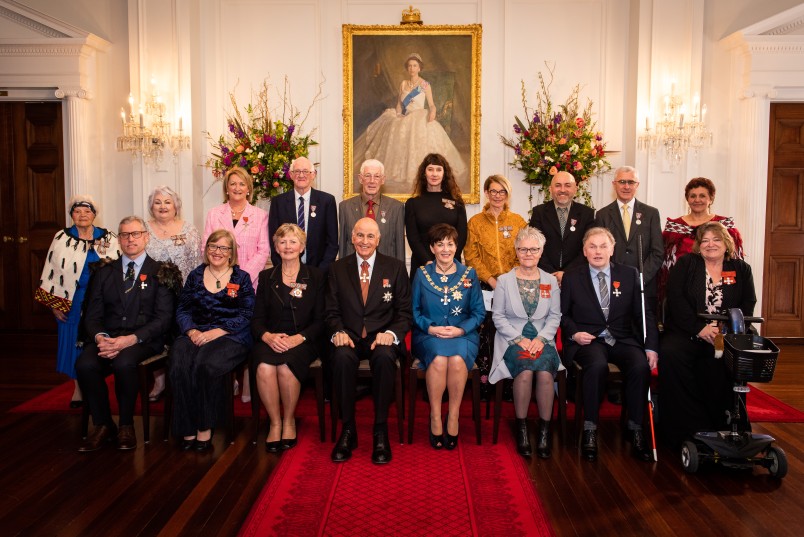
{"type": "Point", "coordinates": [695, 388]}
{"type": "Point", "coordinates": [287, 326]}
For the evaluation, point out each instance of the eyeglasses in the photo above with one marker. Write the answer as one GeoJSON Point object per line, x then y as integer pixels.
{"type": "Point", "coordinates": [376, 176]}
{"type": "Point", "coordinates": [302, 173]}
{"type": "Point", "coordinates": [214, 247]}
{"type": "Point", "coordinates": [629, 182]}
{"type": "Point", "coordinates": [493, 192]}
{"type": "Point", "coordinates": [133, 234]}
{"type": "Point", "coordinates": [531, 251]}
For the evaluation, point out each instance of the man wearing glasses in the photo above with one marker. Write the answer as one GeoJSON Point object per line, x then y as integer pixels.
{"type": "Point", "coordinates": [635, 227]}
{"type": "Point", "coordinates": [370, 203]}
{"type": "Point", "coordinates": [563, 224]}
{"type": "Point", "coordinates": [312, 210]}
{"type": "Point", "coordinates": [128, 314]}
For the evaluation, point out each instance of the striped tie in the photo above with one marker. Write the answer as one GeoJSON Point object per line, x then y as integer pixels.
{"type": "Point", "coordinates": [300, 216]}
{"type": "Point", "coordinates": [605, 301]}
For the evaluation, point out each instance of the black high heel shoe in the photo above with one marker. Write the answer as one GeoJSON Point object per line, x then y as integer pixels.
{"type": "Point", "coordinates": [436, 441]}
{"type": "Point", "coordinates": [450, 442]}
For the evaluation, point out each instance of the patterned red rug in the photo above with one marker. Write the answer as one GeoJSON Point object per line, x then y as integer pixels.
{"type": "Point", "coordinates": [473, 490]}
{"type": "Point", "coordinates": [761, 406]}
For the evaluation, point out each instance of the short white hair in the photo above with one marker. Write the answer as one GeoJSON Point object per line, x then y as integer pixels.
{"type": "Point", "coordinates": [372, 162]}
{"type": "Point", "coordinates": [165, 191]}
{"type": "Point", "coordinates": [530, 233]}
{"type": "Point", "coordinates": [627, 169]}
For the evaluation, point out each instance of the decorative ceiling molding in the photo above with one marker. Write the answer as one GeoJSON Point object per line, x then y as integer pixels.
{"type": "Point", "coordinates": [786, 28]}
{"type": "Point", "coordinates": [56, 49]}
{"type": "Point", "coordinates": [38, 27]}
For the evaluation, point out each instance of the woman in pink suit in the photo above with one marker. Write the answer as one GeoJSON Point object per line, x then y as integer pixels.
{"type": "Point", "coordinates": [248, 224]}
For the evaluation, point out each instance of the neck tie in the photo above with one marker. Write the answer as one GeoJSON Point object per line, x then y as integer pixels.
{"type": "Point", "coordinates": [129, 279]}
{"type": "Point", "coordinates": [604, 305]}
{"type": "Point", "coordinates": [300, 216]}
{"type": "Point", "coordinates": [364, 285]}
{"type": "Point", "coordinates": [370, 211]}
{"type": "Point", "coordinates": [562, 219]}
{"type": "Point", "coordinates": [626, 221]}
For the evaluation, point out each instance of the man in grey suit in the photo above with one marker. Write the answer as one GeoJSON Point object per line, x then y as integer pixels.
{"type": "Point", "coordinates": [632, 222]}
{"type": "Point", "coordinates": [387, 212]}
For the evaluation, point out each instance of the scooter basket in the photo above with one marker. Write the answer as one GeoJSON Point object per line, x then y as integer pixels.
{"type": "Point", "coordinates": [750, 358]}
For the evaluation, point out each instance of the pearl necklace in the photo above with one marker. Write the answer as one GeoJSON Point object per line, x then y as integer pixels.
{"type": "Point", "coordinates": [235, 213]}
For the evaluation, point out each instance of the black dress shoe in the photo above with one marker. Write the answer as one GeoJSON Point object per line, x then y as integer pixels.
{"type": "Point", "coordinates": [544, 440]}
{"type": "Point", "coordinates": [381, 454]}
{"type": "Point", "coordinates": [126, 438]}
{"type": "Point", "coordinates": [187, 444]}
{"type": "Point", "coordinates": [522, 440]}
{"type": "Point", "coordinates": [589, 445]}
{"type": "Point", "coordinates": [76, 403]}
{"type": "Point", "coordinates": [100, 436]}
{"type": "Point", "coordinates": [639, 448]}
{"type": "Point", "coordinates": [342, 451]}
{"type": "Point", "coordinates": [202, 445]}
{"type": "Point", "coordinates": [288, 443]}
{"type": "Point", "coordinates": [273, 447]}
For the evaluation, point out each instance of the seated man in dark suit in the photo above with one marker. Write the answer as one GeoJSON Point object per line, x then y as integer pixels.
{"type": "Point", "coordinates": [601, 322]}
{"type": "Point", "coordinates": [563, 223]}
{"type": "Point", "coordinates": [314, 211]}
{"type": "Point", "coordinates": [368, 313]}
{"type": "Point", "coordinates": [128, 316]}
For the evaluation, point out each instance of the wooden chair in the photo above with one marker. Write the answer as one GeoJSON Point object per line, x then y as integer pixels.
{"type": "Point", "coordinates": [364, 371]}
{"type": "Point", "coordinates": [560, 399]}
{"type": "Point", "coordinates": [417, 374]}
{"type": "Point", "coordinates": [144, 371]}
{"type": "Point", "coordinates": [317, 371]}
{"type": "Point", "coordinates": [615, 377]}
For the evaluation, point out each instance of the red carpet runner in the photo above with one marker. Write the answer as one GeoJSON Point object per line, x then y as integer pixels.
{"type": "Point", "coordinates": [473, 490]}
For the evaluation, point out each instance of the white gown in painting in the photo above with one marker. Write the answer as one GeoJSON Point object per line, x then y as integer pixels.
{"type": "Point", "coordinates": [401, 141]}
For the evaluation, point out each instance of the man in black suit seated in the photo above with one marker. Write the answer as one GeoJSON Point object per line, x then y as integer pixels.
{"type": "Point", "coordinates": [369, 312]}
{"type": "Point", "coordinates": [631, 222]}
{"type": "Point", "coordinates": [314, 211]}
{"type": "Point", "coordinates": [563, 224]}
{"type": "Point", "coordinates": [128, 315]}
{"type": "Point", "coordinates": [601, 322]}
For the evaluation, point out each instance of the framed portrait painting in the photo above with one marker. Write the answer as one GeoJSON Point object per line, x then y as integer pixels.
{"type": "Point", "coordinates": [410, 91]}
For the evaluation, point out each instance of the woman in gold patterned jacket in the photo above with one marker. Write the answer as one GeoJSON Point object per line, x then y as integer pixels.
{"type": "Point", "coordinates": [490, 251]}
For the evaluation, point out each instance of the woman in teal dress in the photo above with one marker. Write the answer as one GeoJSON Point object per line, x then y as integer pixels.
{"type": "Point", "coordinates": [527, 313]}
{"type": "Point", "coordinates": [65, 277]}
{"type": "Point", "coordinates": [447, 311]}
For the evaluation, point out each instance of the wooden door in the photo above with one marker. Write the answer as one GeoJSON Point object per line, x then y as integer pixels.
{"type": "Point", "coordinates": [32, 201]}
{"type": "Point", "coordinates": [783, 293]}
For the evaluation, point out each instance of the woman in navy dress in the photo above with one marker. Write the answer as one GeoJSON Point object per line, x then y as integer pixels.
{"type": "Point", "coordinates": [214, 318]}
{"type": "Point", "coordinates": [447, 310]}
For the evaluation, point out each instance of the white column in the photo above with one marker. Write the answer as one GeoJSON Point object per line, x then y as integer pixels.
{"type": "Point", "coordinates": [77, 177]}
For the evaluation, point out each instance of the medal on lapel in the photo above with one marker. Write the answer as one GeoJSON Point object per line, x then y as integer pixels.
{"type": "Point", "coordinates": [506, 231]}
{"type": "Point", "coordinates": [312, 211]}
{"type": "Point", "coordinates": [231, 289]}
{"type": "Point", "coordinates": [448, 203]}
{"type": "Point", "coordinates": [729, 277]}
{"type": "Point", "coordinates": [382, 217]}
{"type": "Point", "coordinates": [638, 218]}
{"type": "Point", "coordinates": [100, 246]}
{"type": "Point", "coordinates": [387, 296]}
{"type": "Point", "coordinates": [573, 221]}
{"type": "Point", "coordinates": [616, 286]}
{"type": "Point", "coordinates": [297, 288]}
{"type": "Point", "coordinates": [544, 290]}
{"type": "Point", "coordinates": [386, 283]}
{"type": "Point", "coordinates": [245, 221]}
{"type": "Point", "coordinates": [143, 277]}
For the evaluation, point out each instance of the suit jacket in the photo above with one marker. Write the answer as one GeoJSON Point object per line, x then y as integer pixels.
{"type": "Point", "coordinates": [509, 317]}
{"type": "Point", "coordinates": [387, 307]}
{"type": "Point", "coordinates": [322, 229]}
{"type": "Point", "coordinates": [627, 251]}
{"type": "Point", "coordinates": [251, 236]}
{"type": "Point", "coordinates": [581, 311]}
{"type": "Point", "coordinates": [390, 219]}
{"type": "Point", "coordinates": [686, 293]}
{"type": "Point", "coordinates": [308, 309]}
{"type": "Point", "coordinates": [562, 252]}
{"type": "Point", "coordinates": [146, 311]}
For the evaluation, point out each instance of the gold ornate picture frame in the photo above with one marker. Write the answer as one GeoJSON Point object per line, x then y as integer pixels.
{"type": "Point", "coordinates": [385, 121]}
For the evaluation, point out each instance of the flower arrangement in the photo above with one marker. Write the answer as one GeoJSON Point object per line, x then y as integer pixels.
{"type": "Point", "coordinates": [557, 138]}
{"type": "Point", "coordinates": [263, 145]}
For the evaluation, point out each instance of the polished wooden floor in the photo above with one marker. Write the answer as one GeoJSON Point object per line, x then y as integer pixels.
{"type": "Point", "coordinates": [47, 488]}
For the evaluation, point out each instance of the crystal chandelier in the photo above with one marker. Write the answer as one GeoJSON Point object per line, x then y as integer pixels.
{"type": "Point", "coordinates": [149, 137]}
{"type": "Point", "coordinates": [677, 132]}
